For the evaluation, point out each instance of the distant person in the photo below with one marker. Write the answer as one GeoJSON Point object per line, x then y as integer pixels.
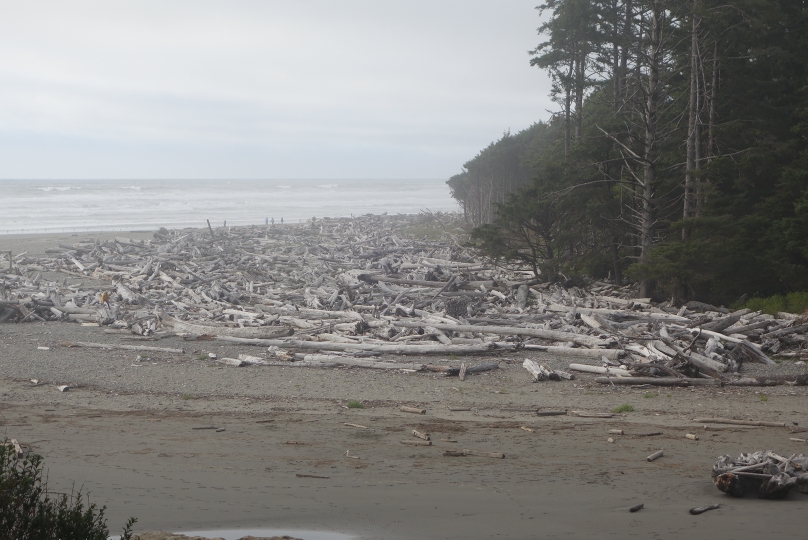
{"type": "Point", "coordinates": [273, 222]}
{"type": "Point", "coordinates": [281, 220]}
{"type": "Point", "coordinates": [266, 221]}
{"type": "Point", "coordinates": [225, 223]}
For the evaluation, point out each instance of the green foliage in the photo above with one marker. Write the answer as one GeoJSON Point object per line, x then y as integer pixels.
{"type": "Point", "coordinates": [763, 397]}
{"type": "Point", "coordinates": [28, 511]}
{"type": "Point", "coordinates": [353, 404]}
{"type": "Point", "coordinates": [625, 407]}
{"type": "Point", "coordinates": [649, 395]}
{"type": "Point", "coordinates": [565, 197]}
{"type": "Point", "coordinates": [795, 302]}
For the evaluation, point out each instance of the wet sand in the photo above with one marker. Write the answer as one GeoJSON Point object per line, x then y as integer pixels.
{"type": "Point", "coordinates": [124, 432]}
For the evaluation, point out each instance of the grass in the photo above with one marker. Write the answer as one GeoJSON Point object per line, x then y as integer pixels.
{"type": "Point", "coordinates": [353, 404]}
{"type": "Point", "coordinates": [795, 302]}
{"type": "Point", "coordinates": [763, 397]}
{"type": "Point", "coordinates": [188, 396]}
{"type": "Point", "coordinates": [625, 407]}
{"type": "Point", "coordinates": [649, 395]}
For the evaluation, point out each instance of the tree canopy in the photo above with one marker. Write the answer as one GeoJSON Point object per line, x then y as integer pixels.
{"type": "Point", "coordinates": [678, 158]}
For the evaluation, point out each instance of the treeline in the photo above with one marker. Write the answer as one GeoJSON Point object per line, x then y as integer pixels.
{"type": "Point", "coordinates": [678, 157]}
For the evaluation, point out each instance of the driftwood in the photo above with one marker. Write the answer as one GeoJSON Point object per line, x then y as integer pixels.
{"type": "Point", "coordinates": [767, 473]}
{"type": "Point", "coordinates": [656, 381]}
{"type": "Point", "coordinates": [363, 285]}
{"type": "Point", "coordinates": [584, 368]}
{"type": "Point", "coordinates": [738, 422]}
{"type": "Point", "coordinates": [259, 332]}
{"type": "Point", "coordinates": [656, 455]}
{"type": "Point", "coordinates": [121, 347]}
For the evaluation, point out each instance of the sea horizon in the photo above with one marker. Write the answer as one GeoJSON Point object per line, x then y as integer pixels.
{"type": "Point", "coordinates": [110, 205]}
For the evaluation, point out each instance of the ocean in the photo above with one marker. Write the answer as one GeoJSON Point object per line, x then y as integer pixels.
{"type": "Point", "coordinates": [41, 206]}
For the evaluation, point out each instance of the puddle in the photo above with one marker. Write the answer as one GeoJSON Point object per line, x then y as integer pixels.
{"type": "Point", "coordinates": [235, 534]}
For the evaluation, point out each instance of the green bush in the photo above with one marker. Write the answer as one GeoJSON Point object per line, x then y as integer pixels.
{"type": "Point", "coordinates": [28, 511]}
{"type": "Point", "coordinates": [625, 407]}
{"type": "Point", "coordinates": [353, 404]}
{"type": "Point", "coordinates": [795, 302]}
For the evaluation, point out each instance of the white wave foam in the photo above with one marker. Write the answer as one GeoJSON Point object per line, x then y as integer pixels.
{"type": "Point", "coordinates": [58, 188]}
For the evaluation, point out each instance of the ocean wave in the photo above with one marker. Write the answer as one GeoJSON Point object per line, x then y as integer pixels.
{"type": "Point", "coordinates": [58, 188]}
{"type": "Point", "coordinates": [135, 188]}
{"type": "Point", "coordinates": [284, 187]}
{"type": "Point", "coordinates": [328, 186]}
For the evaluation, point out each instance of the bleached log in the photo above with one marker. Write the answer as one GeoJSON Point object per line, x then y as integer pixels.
{"type": "Point", "coordinates": [799, 329]}
{"type": "Point", "coordinates": [732, 421]}
{"type": "Point", "coordinates": [584, 368]}
{"type": "Point", "coordinates": [383, 349]}
{"type": "Point", "coordinates": [358, 362]}
{"type": "Point", "coordinates": [121, 347]}
{"type": "Point", "coordinates": [611, 354]}
{"type": "Point", "coordinates": [260, 332]}
{"type": "Point", "coordinates": [538, 372]}
{"type": "Point", "coordinates": [657, 381]}
{"type": "Point", "coordinates": [588, 341]}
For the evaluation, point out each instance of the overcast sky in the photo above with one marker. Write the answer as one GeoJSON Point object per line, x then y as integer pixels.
{"type": "Point", "coordinates": [270, 89]}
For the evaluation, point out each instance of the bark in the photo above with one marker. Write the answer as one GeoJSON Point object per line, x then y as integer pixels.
{"type": "Point", "coordinates": [650, 157]}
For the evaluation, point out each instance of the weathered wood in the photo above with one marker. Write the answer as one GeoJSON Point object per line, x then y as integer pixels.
{"type": "Point", "coordinates": [414, 442]}
{"type": "Point", "coordinates": [585, 414]}
{"type": "Point", "coordinates": [738, 422]}
{"type": "Point", "coordinates": [656, 455]}
{"type": "Point", "coordinates": [588, 341]}
{"type": "Point", "coordinates": [574, 352]}
{"type": "Point", "coordinates": [480, 453]}
{"type": "Point", "coordinates": [745, 351]}
{"type": "Point", "coordinates": [657, 381]}
{"type": "Point", "coordinates": [383, 349]}
{"type": "Point", "coordinates": [121, 347]}
{"type": "Point", "coordinates": [585, 368]}
{"type": "Point", "coordinates": [412, 410]}
{"type": "Point", "coordinates": [259, 332]}
{"type": "Point", "coordinates": [799, 329]}
{"type": "Point", "coordinates": [420, 435]}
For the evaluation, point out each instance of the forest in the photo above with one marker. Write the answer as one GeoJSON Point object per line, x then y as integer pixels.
{"type": "Point", "coordinates": [677, 156]}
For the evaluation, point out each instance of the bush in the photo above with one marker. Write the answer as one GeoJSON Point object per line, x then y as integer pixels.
{"type": "Point", "coordinates": [625, 407]}
{"type": "Point", "coordinates": [795, 302]}
{"type": "Point", "coordinates": [28, 511]}
{"type": "Point", "coordinates": [353, 404]}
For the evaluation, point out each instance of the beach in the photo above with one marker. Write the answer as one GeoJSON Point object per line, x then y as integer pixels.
{"type": "Point", "coordinates": [184, 443]}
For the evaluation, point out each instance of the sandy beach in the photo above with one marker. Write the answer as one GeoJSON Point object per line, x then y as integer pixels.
{"type": "Point", "coordinates": [127, 432]}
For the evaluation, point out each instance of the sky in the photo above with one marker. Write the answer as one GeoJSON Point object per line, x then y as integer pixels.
{"type": "Point", "coordinates": [262, 89]}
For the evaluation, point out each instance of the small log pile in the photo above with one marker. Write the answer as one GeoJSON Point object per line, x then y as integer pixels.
{"type": "Point", "coordinates": [766, 473]}
{"type": "Point", "coordinates": [372, 285]}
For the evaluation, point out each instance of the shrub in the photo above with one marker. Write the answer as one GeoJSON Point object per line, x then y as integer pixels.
{"type": "Point", "coordinates": [353, 404]}
{"type": "Point", "coordinates": [795, 302]}
{"type": "Point", "coordinates": [625, 407]}
{"type": "Point", "coordinates": [28, 511]}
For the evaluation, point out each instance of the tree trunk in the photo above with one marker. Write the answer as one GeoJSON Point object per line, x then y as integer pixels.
{"type": "Point", "coordinates": [580, 60]}
{"type": "Point", "coordinates": [692, 127]}
{"type": "Point", "coordinates": [651, 144]}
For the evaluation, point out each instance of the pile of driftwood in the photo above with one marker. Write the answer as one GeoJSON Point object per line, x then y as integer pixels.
{"type": "Point", "coordinates": [336, 291]}
{"type": "Point", "coordinates": [766, 473]}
